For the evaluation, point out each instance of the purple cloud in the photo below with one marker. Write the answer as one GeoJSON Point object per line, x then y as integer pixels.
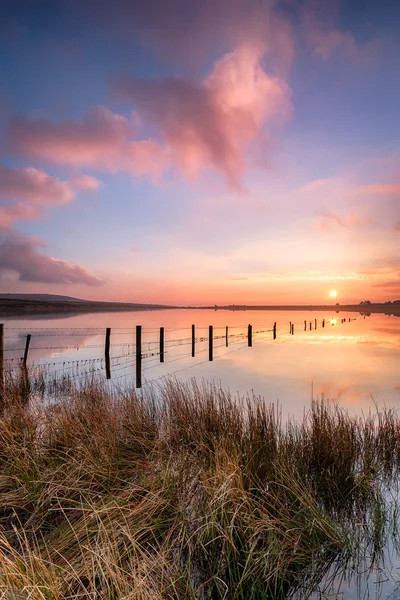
{"type": "Point", "coordinates": [20, 253]}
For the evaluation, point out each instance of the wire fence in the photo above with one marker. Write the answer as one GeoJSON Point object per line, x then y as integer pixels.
{"type": "Point", "coordinates": [154, 352]}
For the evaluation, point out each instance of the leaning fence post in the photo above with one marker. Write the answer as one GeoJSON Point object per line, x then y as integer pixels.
{"type": "Point", "coordinates": [210, 342]}
{"type": "Point", "coordinates": [138, 356]}
{"type": "Point", "coordinates": [162, 344]}
{"type": "Point", "coordinates": [250, 336]}
{"type": "Point", "coordinates": [193, 341]}
{"type": "Point", "coordinates": [1, 364]}
{"type": "Point", "coordinates": [274, 330]}
{"type": "Point", "coordinates": [28, 341]}
{"type": "Point", "coordinates": [107, 353]}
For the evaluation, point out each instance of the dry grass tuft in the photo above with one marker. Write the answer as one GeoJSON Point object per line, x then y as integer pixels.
{"type": "Point", "coordinates": [185, 493]}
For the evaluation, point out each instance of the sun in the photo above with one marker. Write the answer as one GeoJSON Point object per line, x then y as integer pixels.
{"type": "Point", "coordinates": [333, 293]}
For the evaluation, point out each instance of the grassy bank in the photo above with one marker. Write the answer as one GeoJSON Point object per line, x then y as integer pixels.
{"type": "Point", "coordinates": [187, 493]}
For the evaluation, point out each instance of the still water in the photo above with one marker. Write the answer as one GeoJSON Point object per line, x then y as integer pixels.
{"type": "Point", "coordinates": [355, 363]}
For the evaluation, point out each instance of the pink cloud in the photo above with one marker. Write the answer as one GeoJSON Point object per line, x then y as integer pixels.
{"type": "Point", "coordinates": [201, 125]}
{"type": "Point", "coordinates": [86, 182]}
{"type": "Point", "coordinates": [27, 192]}
{"type": "Point", "coordinates": [190, 31]}
{"type": "Point", "coordinates": [329, 221]}
{"type": "Point", "coordinates": [211, 123]}
{"type": "Point", "coordinates": [20, 253]}
{"type": "Point", "coordinates": [101, 139]}
{"type": "Point", "coordinates": [33, 185]}
{"type": "Point", "coordinates": [397, 226]}
{"type": "Point", "coordinates": [326, 40]}
{"type": "Point", "coordinates": [381, 189]}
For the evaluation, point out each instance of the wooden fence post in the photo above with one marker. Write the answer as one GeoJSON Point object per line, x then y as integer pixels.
{"type": "Point", "coordinates": [138, 356]}
{"type": "Point", "coordinates": [250, 336]}
{"type": "Point", "coordinates": [161, 344]}
{"type": "Point", "coordinates": [226, 336]}
{"type": "Point", "coordinates": [274, 331]}
{"type": "Point", "coordinates": [193, 341]}
{"type": "Point", "coordinates": [292, 329]}
{"type": "Point", "coordinates": [315, 323]}
{"type": "Point", "coordinates": [310, 325]}
{"type": "Point", "coordinates": [210, 342]}
{"type": "Point", "coordinates": [107, 353]}
{"type": "Point", "coordinates": [305, 325]}
{"type": "Point", "coordinates": [323, 322]}
{"type": "Point", "coordinates": [28, 341]}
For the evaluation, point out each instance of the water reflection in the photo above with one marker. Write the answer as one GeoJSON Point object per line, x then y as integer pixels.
{"type": "Point", "coordinates": [355, 362]}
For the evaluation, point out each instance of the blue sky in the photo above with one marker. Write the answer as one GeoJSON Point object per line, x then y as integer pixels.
{"type": "Point", "coordinates": [186, 152]}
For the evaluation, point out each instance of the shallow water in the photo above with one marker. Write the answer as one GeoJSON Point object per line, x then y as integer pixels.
{"type": "Point", "coordinates": [355, 363]}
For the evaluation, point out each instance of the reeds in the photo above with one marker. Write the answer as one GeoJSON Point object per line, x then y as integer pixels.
{"type": "Point", "coordinates": [185, 492]}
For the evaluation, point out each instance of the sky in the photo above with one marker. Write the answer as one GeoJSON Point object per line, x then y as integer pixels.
{"type": "Point", "coordinates": [200, 152]}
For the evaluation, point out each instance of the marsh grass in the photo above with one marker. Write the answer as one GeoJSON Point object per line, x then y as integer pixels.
{"type": "Point", "coordinates": [185, 492]}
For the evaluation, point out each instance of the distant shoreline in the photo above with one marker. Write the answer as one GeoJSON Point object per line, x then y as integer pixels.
{"type": "Point", "coordinates": [393, 309]}
{"type": "Point", "coordinates": [11, 307]}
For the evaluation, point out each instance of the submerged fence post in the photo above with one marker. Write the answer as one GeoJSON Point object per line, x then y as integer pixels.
{"type": "Point", "coordinates": [323, 322]}
{"type": "Point", "coordinates": [193, 341]}
{"type": "Point", "coordinates": [226, 336]}
{"type": "Point", "coordinates": [274, 331]}
{"type": "Point", "coordinates": [1, 364]}
{"type": "Point", "coordinates": [315, 323]}
{"type": "Point", "coordinates": [161, 344]}
{"type": "Point", "coordinates": [310, 325]}
{"type": "Point", "coordinates": [292, 329]}
{"type": "Point", "coordinates": [250, 336]}
{"type": "Point", "coordinates": [210, 342]}
{"type": "Point", "coordinates": [28, 341]}
{"type": "Point", "coordinates": [107, 353]}
{"type": "Point", "coordinates": [305, 325]}
{"type": "Point", "coordinates": [138, 356]}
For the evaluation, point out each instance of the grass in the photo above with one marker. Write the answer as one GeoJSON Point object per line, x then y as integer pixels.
{"type": "Point", "coordinates": [186, 493]}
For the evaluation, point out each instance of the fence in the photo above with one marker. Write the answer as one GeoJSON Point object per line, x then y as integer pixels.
{"type": "Point", "coordinates": [145, 353]}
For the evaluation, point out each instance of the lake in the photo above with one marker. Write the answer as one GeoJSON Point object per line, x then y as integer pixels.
{"type": "Point", "coordinates": [354, 363]}
{"type": "Point", "coordinates": [352, 360]}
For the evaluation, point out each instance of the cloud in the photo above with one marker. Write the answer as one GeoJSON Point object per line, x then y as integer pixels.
{"type": "Point", "coordinates": [381, 189]}
{"type": "Point", "coordinates": [27, 192]}
{"type": "Point", "coordinates": [102, 139]}
{"type": "Point", "coordinates": [329, 221]}
{"type": "Point", "coordinates": [209, 124]}
{"type": "Point", "coordinates": [188, 32]}
{"type": "Point", "coordinates": [33, 185]}
{"type": "Point", "coordinates": [201, 125]}
{"type": "Point", "coordinates": [397, 226]}
{"type": "Point", "coordinates": [326, 40]}
{"type": "Point", "coordinates": [86, 182]}
{"type": "Point", "coordinates": [20, 253]}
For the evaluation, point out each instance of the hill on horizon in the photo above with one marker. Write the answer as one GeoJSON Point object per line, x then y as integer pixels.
{"type": "Point", "coordinates": [42, 298]}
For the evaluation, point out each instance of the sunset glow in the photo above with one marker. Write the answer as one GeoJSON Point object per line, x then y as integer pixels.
{"type": "Point", "coordinates": [233, 152]}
